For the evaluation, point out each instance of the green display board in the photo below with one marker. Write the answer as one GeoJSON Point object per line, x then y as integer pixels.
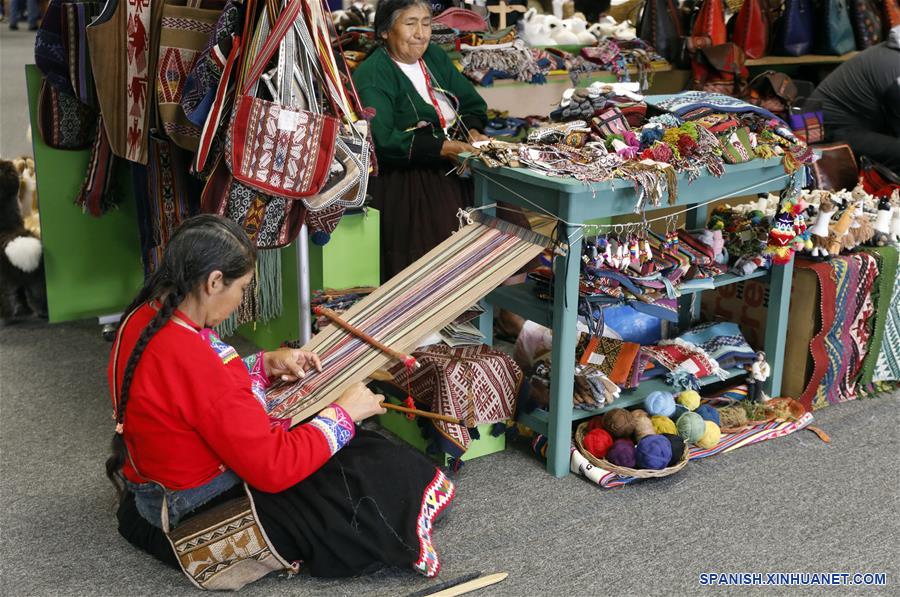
{"type": "Point", "coordinates": [93, 265]}
{"type": "Point", "coordinates": [351, 258]}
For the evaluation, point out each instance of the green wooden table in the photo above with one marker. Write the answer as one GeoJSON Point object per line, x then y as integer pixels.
{"type": "Point", "coordinates": [573, 203]}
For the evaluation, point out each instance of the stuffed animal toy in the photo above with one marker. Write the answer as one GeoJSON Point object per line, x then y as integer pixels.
{"type": "Point", "coordinates": [820, 230]}
{"type": "Point", "coordinates": [533, 29]}
{"type": "Point", "coordinates": [22, 291]}
{"type": "Point", "coordinates": [28, 194]}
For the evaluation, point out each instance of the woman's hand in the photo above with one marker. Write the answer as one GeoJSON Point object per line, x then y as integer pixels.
{"type": "Point", "coordinates": [450, 150]}
{"type": "Point", "coordinates": [290, 364]}
{"type": "Point", "coordinates": [475, 136]}
{"type": "Point", "coordinates": [360, 403]}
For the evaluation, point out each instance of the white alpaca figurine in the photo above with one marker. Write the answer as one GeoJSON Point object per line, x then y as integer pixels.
{"type": "Point", "coordinates": [895, 218]}
{"type": "Point", "coordinates": [533, 29]}
{"type": "Point", "coordinates": [561, 31]}
{"type": "Point", "coordinates": [820, 231]}
{"type": "Point", "coordinates": [578, 26]}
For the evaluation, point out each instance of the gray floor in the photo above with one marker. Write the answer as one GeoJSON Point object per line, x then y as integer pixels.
{"type": "Point", "coordinates": [793, 504]}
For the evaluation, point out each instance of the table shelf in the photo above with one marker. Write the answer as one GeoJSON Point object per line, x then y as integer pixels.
{"type": "Point", "coordinates": [572, 203]}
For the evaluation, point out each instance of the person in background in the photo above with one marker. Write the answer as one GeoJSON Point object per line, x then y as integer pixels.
{"type": "Point", "coordinates": [861, 102]}
{"type": "Point", "coordinates": [426, 114]}
{"type": "Point", "coordinates": [16, 9]}
{"type": "Point", "coordinates": [192, 417]}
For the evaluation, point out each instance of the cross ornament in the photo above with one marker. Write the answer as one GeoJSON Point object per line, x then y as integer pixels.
{"type": "Point", "coordinates": [504, 9]}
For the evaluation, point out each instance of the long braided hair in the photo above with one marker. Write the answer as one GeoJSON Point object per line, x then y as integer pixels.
{"type": "Point", "coordinates": [201, 245]}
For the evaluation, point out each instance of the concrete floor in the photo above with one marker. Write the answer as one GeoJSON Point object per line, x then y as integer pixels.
{"type": "Point", "coordinates": [16, 50]}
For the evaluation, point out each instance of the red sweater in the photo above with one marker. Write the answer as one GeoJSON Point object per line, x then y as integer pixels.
{"type": "Point", "coordinates": [191, 415]}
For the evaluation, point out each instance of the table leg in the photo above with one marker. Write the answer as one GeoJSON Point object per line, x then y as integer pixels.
{"type": "Point", "coordinates": [562, 379]}
{"type": "Point", "coordinates": [776, 324]}
{"type": "Point", "coordinates": [485, 320]}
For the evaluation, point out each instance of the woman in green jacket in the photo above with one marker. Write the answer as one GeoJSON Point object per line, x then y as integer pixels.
{"type": "Point", "coordinates": [426, 114]}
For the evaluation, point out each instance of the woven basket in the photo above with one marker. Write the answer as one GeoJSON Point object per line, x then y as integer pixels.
{"type": "Point", "coordinates": [640, 473]}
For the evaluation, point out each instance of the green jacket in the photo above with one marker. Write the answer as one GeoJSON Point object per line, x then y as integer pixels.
{"type": "Point", "coordinates": [399, 107]}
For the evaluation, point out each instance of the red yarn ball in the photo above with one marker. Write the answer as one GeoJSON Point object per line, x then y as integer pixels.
{"type": "Point", "coordinates": [597, 442]}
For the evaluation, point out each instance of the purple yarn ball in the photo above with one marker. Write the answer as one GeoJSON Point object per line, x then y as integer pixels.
{"type": "Point", "coordinates": [622, 453]}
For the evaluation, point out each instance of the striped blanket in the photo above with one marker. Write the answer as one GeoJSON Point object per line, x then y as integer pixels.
{"type": "Point", "coordinates": [730, 441]}
{"type": "Point", "coordinates": [423, 298]}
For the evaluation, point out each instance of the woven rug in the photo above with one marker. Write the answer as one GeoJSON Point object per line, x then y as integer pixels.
{"type": "Point", "coordinates": [475, 383]}
{"type": "Point", "coordinates": [886, 259]}
{"type": "Point", "coordinates": [887, 366]}
{"type": "Point", "coordinates": [847, 316]}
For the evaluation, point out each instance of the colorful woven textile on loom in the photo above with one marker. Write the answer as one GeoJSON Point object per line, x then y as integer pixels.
{"type": "Point", "coordinates": [462, 382]}
{"type": "Point", "coordinates": [887, 368]}
{"type": "Point", "coordinates": [847, 315]}
{"type": "Point", "coordinates": [730, 441]}
{"type": "Point", "coordinates": [423, 298]}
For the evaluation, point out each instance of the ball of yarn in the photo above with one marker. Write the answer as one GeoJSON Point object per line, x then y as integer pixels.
{"type": "Point", "coordinates": [663, 424]}
{"type": "Point", "coordinates": [639, 412]}
{"type": "Point", "coordinates": [622, 453]}
{"type": "Point", "coordinates": [619, 422]}
{"type": "Point", "coordinates": [691, 427]}
{"type": "Point", "coordinates": [677, 447]}
{"type": "Point", "coordinates": [643, 427]}
{"type": "Point", "coordinates": [595, 423]}
{"type": "Point", "coordinates": [597, 442]}
{"type": "Point", "coordinates": [679, 410]}
{"type": "Point", "coordinates": [731, 417]}
{"type": "Point", "coordinates": [653, 452]}
{"type": "Point", "coordinates": [660, 403]}
{"type": "Point", "coordinates": [689, 399]}
{"type": "Point", "coordinates": [711, 436]}
{"type": "Point", "coordinates": [709, 414]}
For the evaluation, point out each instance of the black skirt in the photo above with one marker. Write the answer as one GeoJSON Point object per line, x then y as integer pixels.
{"type": "Point", "coordinates": [371, 505]}
{"type": "Point", "coordinates": [419, 209]}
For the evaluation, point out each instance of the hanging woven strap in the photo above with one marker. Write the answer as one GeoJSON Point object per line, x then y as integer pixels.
{"type": "Point", "coordinates": [96, 194]}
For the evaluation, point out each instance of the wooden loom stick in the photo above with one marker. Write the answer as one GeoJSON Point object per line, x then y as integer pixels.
{"type": "Point", "coordinates": [423, 413]}
{"type": "Point", "coordinates": [403, 358]}
{"type": "Point", "coordinates": [472, 585]}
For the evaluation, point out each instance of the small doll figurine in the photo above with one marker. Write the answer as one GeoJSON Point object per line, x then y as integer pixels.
{"type": "Point", "coordinates": [759, 372]}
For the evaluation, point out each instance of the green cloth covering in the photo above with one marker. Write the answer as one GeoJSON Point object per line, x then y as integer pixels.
{"type": "Point", "coordinates": [887, 258]}
{"type": "Point", "coordinates": [399, 109]}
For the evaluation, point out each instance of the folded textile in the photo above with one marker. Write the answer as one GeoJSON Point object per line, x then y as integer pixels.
{"type": "Point", "coordinates": [474, 383]}
{"type": "Point", "coordinates": [885, 295]}
{"type": "Point", "coordinates": [723, 342]}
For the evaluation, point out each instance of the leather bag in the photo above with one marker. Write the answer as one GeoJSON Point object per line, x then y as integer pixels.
{"type": "Point", "coordinates": [835, 35]}
{"type": "Point", "coordinates": [866, 19]}
{"type": "Point", "coordinates": [773, 91]}
{"type": "Point", "coordinates": [660, 26]}
{"type": "Point", "coordinates": [710, 22]}
{"type": "Point", "coordinates": [795, 28]}
{"type": "Point", "coordinates": [836, 168]}
{"type": "Point", "coordinates": [717, 69]}
{"type": "Point", "coordinates": [751, 29]}
{"type": "Point", "coordinates": [891, 15]}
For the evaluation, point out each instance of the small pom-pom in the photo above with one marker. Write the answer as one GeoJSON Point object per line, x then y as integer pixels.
{"type": "Point", "coordinates": [320, 238]}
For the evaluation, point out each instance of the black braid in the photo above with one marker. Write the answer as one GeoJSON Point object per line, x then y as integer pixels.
{"type": "Point", "coordinates": [197, 249]}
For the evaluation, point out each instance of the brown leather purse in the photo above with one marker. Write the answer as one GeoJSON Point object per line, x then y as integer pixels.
{"type": "Point", "coordinates": [836, 169]}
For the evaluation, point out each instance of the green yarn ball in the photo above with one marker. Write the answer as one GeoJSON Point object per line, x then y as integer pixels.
{"type": "Point", "coordinates": [691, 427]}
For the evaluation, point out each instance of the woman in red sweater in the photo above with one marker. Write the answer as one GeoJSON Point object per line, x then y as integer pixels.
{"type": "Point", "coordinates": [191, 418]}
